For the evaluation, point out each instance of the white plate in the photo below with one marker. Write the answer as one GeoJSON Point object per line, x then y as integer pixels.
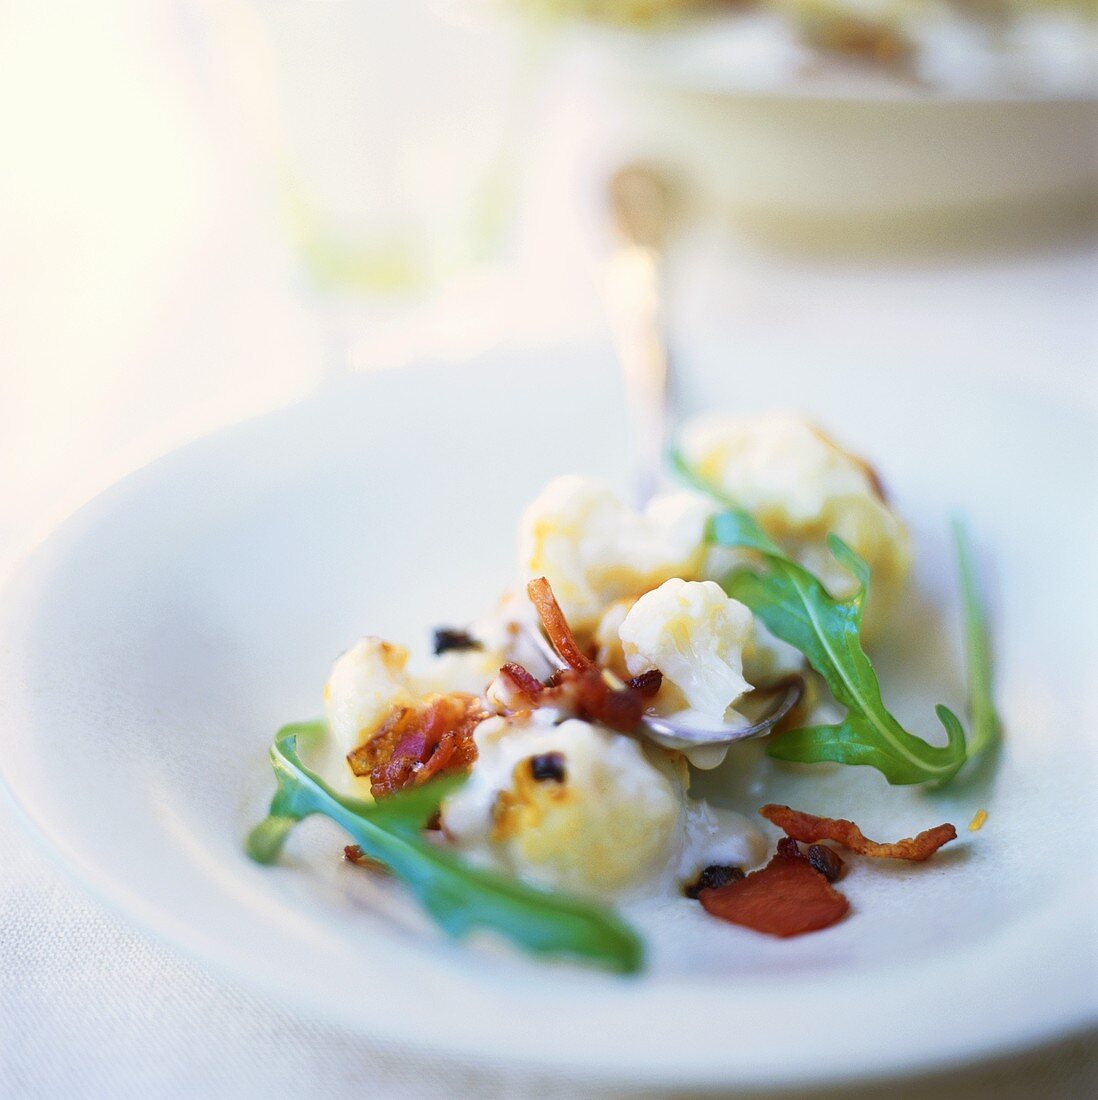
{"type": "Point", "coordinates": [154, 642]}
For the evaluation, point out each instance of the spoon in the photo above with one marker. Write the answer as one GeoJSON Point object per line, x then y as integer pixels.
{"type": "Point", "coordinates": [643, 207]}
{"type": "Point", "coordinates": [675, 735]}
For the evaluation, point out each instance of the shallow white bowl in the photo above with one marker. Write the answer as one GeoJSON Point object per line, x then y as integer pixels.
{"type": "Point", "coordinates": [846, 145]}
{"type": "Point", "coordinates": [151, 646]}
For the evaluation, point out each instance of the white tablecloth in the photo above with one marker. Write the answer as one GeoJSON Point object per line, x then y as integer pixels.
{"type": "Point", "coordinates": [140, 307]}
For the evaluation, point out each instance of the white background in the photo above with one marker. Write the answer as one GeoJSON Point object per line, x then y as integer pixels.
{"type": "Point", "coordinates": [147, 295]}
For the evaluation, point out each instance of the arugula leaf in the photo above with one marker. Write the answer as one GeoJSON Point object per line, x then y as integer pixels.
{"type": "Point", "coordinates": [797, 608]}
{"type": "Point", "coordinates": [982, 715]}
{"type": "Point", "coordinates": [677, 461]}
{"type": "Point", "coordinates": [458, 896]}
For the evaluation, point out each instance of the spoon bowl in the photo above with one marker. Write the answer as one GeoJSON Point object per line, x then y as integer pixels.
{"type": "Point", "coordinates": [679, 735]}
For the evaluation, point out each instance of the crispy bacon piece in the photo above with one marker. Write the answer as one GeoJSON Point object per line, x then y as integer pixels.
{"type": "Point", "coordinates": [592, 697]}
{"type": "Point", "coordinates": [352, 853]}
{"type": "Point", "coordinates": [713, 877]}
{"type": "Point", "coordinates": [556, 626]}
{"type": "Point", "coordinates": [808, 829]}
{"type": "Point", "coordinates": [788, 848]}
{"type": "Point", "coordinates": [581, 687]}
{"type": "Point", "coordinates": [416, 743]}
{"type": "Point", "coordinates": [788, 897]}
{"type": "Point", "coordinates": [522, 681]}
{"type": "Point", "coordinates": [647, 684]}
{"type": "Point", "coordinates": [827, 861]}
{"type": "Point", "coordinates": [586, 694]}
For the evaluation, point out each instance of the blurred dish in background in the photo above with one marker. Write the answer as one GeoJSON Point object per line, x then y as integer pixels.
{"type": "Point", "coordinates": [835, 112]}
{"type": "Point", "coordinates": [406, 129]}
{"type": "Point", "coordinates": [985, 46]}
{"type": "Point", "coordinates": [396, 120]}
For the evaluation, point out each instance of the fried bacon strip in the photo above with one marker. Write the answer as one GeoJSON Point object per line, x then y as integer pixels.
{"type": "Point", "coordinates": [582, 687]}
{"type": "Point", "coordinates": [352, 853]}
{"type": "Point", "coordinates": [787, 897]}
{"type": "Point", "coordinates": [592, 697]}
{"type": "Point", "coordinates": [808, 829]}
{"type": "Point", "coordinates": [556, 626]}
{"type": "Point", "coordinates": [585, 694]}
{"type": "Point", "coordinates": [416, 743]}
{"type": "Point", "coordinates": [522, 681]}
{"type": "Point", "coordinates": [647, 683]}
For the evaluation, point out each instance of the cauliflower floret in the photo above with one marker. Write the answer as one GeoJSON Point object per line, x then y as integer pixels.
{"type": "Point", "coordinates": [374, 676]}
{"type": "Point", "coordinates": [695, 635]}
{"type": "Point", "coordinates": [365, 684]}
{"type": "Point", "coordinates": [608, 638]}
{"type": "Point", "coordinates": [371, 680]}
{"type": "Point", "coordinates": [594, 550]}
{"type": "Point", "coordinates": [466, 670]}
{"type": "Point", "coordinates": [571, 806]}
{"type": "Point", "coordinates": [801, 486]}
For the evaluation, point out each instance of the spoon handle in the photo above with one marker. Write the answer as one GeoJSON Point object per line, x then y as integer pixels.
{"type": "Point", "coordinates": [640, 203]}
